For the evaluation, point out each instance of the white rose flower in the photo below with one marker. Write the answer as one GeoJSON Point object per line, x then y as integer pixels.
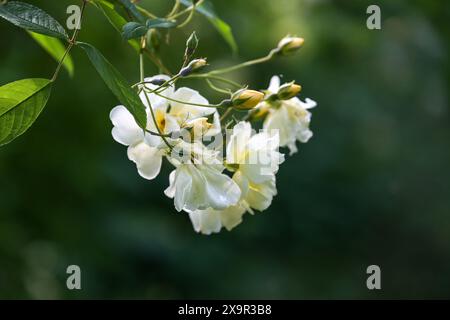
{"type": "Point", "coordinates": [147, 150]}
{"type": "Point", "coordinates": [257, 155]}
{"type": "Point", "coordinates": [174, 110]}
{"type": "Point", "coordinates": [201, 186]}
{"type": "Point", "coordinates": [255, 160]}
{"type": "Point", "coordinates": [291, 117]}
{"type": "Point", "coordinates": [198, 181]}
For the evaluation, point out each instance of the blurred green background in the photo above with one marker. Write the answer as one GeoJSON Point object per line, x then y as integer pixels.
{"type": "Point", "coordinates": [371, 187]}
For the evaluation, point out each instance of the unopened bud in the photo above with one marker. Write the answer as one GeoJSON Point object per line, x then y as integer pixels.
{"type": "Point", "coordinates": [245, 99]}
{"type": "Point", "coordinates": [191, 45]}
{"type": "Point", "coordinates": [193, 66]}
{"type": "Point", "coordinates": [157, 82]}
{"type": "Point", "coordinates": [288, 91]}
{"type": "Point", "coordinates": [289, 45]}
{"type": "Point", "coordinates": [259, 113]}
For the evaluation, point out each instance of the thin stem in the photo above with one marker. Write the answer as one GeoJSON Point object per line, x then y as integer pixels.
{"type": "Point", "coordinates": [168, 135]}
{"type": "Point", "coordinates": [189, 18]}
{"type": "Point", "coordinates": [163, 136]}
{"type": "Point", "coordinates": [186, 10]}
{"type": "Point", "coordinates": [146, 12]}
{"type": "Point", "coordinates": [141, 62]}
{"type": "Point", "coordinates": [141, 66]}
{"type": "Point", "coordinates": [188, 103]}
{"type": "Point", "coordinates": [158, 89]}
{"type": "Point", "coordinates": [244, 64]}
{"type": "Point", "coordinates": [226, 113]}
{"type": "Point", "coordinates": [214, 77]}
{"type": "Point", "coordinates": [162, 86]}
{"type": "Point", "coordinates": [214, 87]}
{"type": "Point", "coordinates": [175, 8]}
{"type": "Point", "coordinates": [169, 82]}
{"type": "Point", "coordinates": [249, 115]}
{"type": "Point", "coordinates": [71, 42]}
{"type": "Point", "coordinates": [55, 74]}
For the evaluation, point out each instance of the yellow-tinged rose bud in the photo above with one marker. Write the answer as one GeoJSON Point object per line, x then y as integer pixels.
{"type": "Point", "coordinates": [259, 113]}
{"type": "Point", "coordinates": [193, 66]}
{"type": "Point", "coordinates": [290, 44]}
{"type": "Point", "coordinates": [245, 99]}
{"type": "Point", "coordinates": [288, 91]}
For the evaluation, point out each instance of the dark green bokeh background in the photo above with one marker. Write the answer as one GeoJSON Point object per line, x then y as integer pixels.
{"type": "Point", "coordinates": [371, 187]}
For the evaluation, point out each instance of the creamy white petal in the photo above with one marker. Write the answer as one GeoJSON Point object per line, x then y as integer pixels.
{"type": "Point", "coordinates": [153, 140]}
{"type": "Point", "coordinates": [183, 187]}
{"type": "Point", "coordinates": [196, 122]}
{"type": "Point", "coordinates": [202, 186]}
{"type": "Point", "coordinates": [184, 111]}
{"type": "Point", "coordinates": [221, 190]}
{"type": "Point", "coordinates": [260, 196]}
{"type": "Point", "coordinates": [125, 130]}
{"type": "Point", "coordinates": [148, 160]}
{"type": "Point", "coordinates": [211, 221]}
{"type": "Point", "coordinates": [257, 173]}
{"type": "Point", "coordinates": [279, 120]}
{"type": "Point", "coordinates": [292, 148]}
{"type": "Point", "coordinates": [243, 183]}
{"type": "Point", "coordinates": [189, 186]}
{"type": "Point", "coordinates": [258, 156]}
{"type": "Point", "coordinates": [304, 135]}
{"type": "Point", "coordinates": [237, 143]}
{"type": "Point", "coordinates": [215, 129]}
{"type": "Point", "coordinates": [171, 124]}
{"type": "Point", "coordinates": [170, 190]}
{"type": "Point", "coordinates": [309, 103]}
{"type": "Point", "coordinates": [232, 216]}
{"type": "Point", "coordinates": [206, 221]}
{"type": "Point", "coordinates": [274, 84]}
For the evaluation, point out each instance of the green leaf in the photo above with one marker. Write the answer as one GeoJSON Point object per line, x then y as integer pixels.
{"type": "Point", "coordinates": [206, 9]}
{"type": "Point", "coordinates": [31, 18]}
{"type": "Point", "coordinates": [116, 20]}
{"type": "Point", "coordinates": [133, 30]}
{"type": "Point", "coordinates": [55, 48]}
{"type": "Point", "coordinates": [160, 23]}
{"type": "Point", "coordinates": [117, 84]}
{"type": "Point", "coordinates": [21, 102]}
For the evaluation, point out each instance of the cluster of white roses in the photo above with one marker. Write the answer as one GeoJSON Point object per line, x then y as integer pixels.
{"type": "Point", "coordinates": [198, 185]}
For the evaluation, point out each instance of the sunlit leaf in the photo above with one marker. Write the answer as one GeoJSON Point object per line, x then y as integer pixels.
{"type": "Point", "coordinates": [21, 102]}
{"type": "Point", "coordinates": [31, 18]}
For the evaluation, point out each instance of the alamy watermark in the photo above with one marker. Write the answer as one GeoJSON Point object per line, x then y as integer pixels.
{"type": "Point", "coordinates": [73, 281]}
{"type": "Point", "coordinates": [74, 20]}
{"type": "Point", "coordinates": [374, 20]}
{"type": "Point", "coordinates": [374, 279]}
